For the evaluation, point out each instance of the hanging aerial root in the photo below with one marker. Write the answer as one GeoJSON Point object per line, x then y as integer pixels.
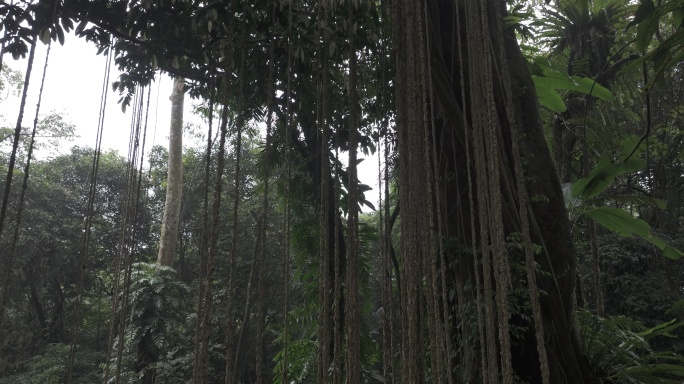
{"type": "Point", "coordinates": [325, 282]}
{"type": "Point", "coordinates": [524, 212]}
{"type": "Point", "coordinates": [232, 370]}
{"type": "Point", "coordinates": [15, 142]}
{"type": "Point", "coordinates": [410, 138]}
{"type": "Point", "coordinates": [352, 297]}
{"type": "Point", "coordinates": [265, 201]}
{"type": "Point", "coordinates": [201, 357]}
{"type": "Point", "coordinates": [202, 265]}
{"type": "Point", "coordinates": [384, 215]}
{"type": "Point", "coordinates": [17, 224]}
{"type": "Point", "coordinates": [128, 238]}
{"type": "Point", "coordinates": [212, 229]}
{"type": "Point", "coordinates": [286, 222]}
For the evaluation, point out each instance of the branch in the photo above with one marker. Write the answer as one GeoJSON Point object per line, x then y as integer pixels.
{"type": "Point", "coordinates": [616, 67]}
{"type": "Point", "coordinates": [142, 43]}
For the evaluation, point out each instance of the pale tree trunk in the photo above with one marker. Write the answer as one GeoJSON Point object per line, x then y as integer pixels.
{"type": "Point", "coordinates": [174, 183]}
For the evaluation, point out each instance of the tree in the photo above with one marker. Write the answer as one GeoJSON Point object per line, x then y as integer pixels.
{"type": "Point", "coordinates": [583, 34]}
{"type": "Point", "coordinates": [10, 83]}
{"type": "Point", "coordinates": [54, 130]}
{"type": "Point", "coordinates": [472, 150]}
{"type": "Point", "coordinates": [174, 181]}
{"type": "Point", "coordinates": [45, 278]}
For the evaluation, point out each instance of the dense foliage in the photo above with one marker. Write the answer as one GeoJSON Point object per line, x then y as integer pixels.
{"type": "Point", "coordinates": [288, 268]}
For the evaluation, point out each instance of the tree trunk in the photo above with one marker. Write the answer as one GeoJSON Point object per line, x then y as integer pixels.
{"type": "Point", "coordinates": [466, 113]}
{"type": "Point", "coordinates": [174, 183]}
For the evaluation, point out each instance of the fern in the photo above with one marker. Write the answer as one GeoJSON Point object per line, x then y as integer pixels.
{"type": "Point", "coordinates": [619, 350]}
{"type": "Point", "coordinates": [157, 321]}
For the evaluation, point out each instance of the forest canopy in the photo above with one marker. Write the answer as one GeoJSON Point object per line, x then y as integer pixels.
{"type": "Point", "coordinates": [526, 226]}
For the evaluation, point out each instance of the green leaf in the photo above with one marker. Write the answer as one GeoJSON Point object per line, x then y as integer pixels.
{"type": "Point", "coordinates": [646, 374]}
{"type": "Point", "coordinates": [45, 36]}
{"type": "Point", "coordinates": [606, 171]}
{"type": "Point", "coordinates": [591, 87]}
{"type": "Point", "coordinates": [638, 200]}
{"type": "Point", "coordinates": [678, 17]}
{"type": "Point", "coordinates": [619, 221]}
{"type": "Point", "coordinates": [663, 329]}
{"type": "Point", "coordinates": [603, 175]}
{"type": "Point", "coordinates": [553, 80]}
{"type": "Point", "coordinates": [676, 307]}
{"type": "Point", "coordinates": [624, 224]}
{"type": "Point", "coordinates": [629, 146]}
{"type": "Point", "coordinates": [548, 97]}
{"type": "Point", "coordinates": [646, 9]}
{"type": "Point", "coordinates": [671, 369]}
{"type": "Point", "coordinates": [60, 34]}
{"type": "Point", "coordinates": [672, 253]}
{"type": "Point", "coordinates": [661, 57]}
{"type": "Point", "coordinates": [646, 30]}
{"type": "Point", "coordinates": [368, 204]}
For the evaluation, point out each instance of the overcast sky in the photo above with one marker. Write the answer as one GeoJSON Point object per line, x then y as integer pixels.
{"type": "Point", "coordinates": [73, 86]}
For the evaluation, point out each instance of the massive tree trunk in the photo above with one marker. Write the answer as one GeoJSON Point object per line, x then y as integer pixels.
{"type": "Point", "coordinates": [476, 176]}
{"type": "Point", "coordinates": [174, 182]}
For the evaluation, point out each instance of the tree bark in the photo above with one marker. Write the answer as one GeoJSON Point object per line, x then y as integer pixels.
{"type": "Point", "coordinates": [459, 86]}
{"type": "Point", "coordinates": [174, 183]}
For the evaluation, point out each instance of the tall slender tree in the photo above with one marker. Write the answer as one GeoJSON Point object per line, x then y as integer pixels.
{"type": "Point", "coordinates": [174, 182]}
